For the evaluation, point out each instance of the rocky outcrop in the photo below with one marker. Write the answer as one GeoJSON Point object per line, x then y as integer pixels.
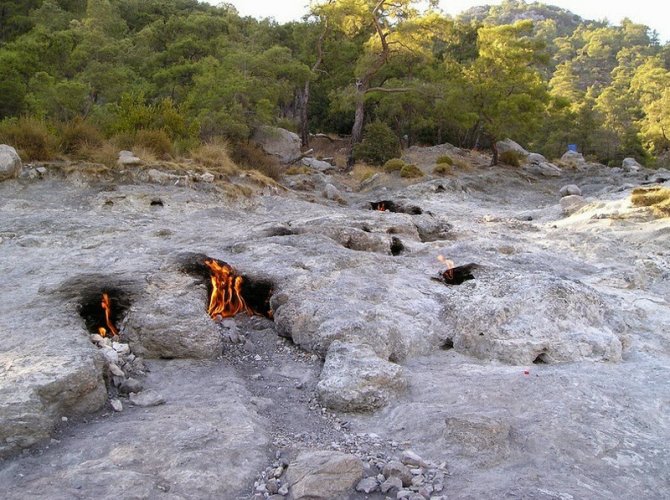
{"type": "Point", "coordinates": [169, 320]}
{"type": "Point", "coordinates": [532, 318]}
{"type": "Point", "coordinates": [128, 159]}
{"type": "Point", "coordinates": [318, 165]}
{"type": "Point", "coordinates": [323, 475]}
{"type": "Point", "coordinates": [571, 203]}
{"type": "Point", "coordinates": [510, 145]}
{"type": "Point", "coordinates": [631, 165]}
{"type": "Point", "coordinates": [354, 378]}
{"type": "Point", "coordinates": [279, 142]}
{"type": "Point", "coordinates": [573, 159]}
{"type": "Point", "coordinates": [538, 164]}
{"type": "Point", "coordinates": [570, 190]}
{"type": "Point", "coordinates": [10, 162]}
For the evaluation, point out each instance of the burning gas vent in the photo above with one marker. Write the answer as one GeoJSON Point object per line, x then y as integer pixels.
{"type": "Point", "coordinates": [455, 275]}
{"type": "Point", "coordinates": [102, 311]}
{"type": "Point", "coordinates": [229, 292]}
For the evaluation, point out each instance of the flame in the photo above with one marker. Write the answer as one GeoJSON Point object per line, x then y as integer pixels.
{"type": "Point", "coordinates": [106, 305]}
{"type": "Point", "coordinates": [381, 207]}
{"type": "Point", "coordinates": [449, 273]}
{"type": "Point", "coordinates": [226, 299]}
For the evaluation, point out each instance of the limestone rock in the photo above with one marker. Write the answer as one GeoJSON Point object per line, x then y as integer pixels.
{"type": "Point", "coordinates": [278, 142]}
{"type": "Point", "coordinates": [538, 164]}
{"type": "Point", "coordinates": [354, 378]}
{"type": "Point", "coordinates": [510, 145]}
{"type": "Point", "coordinates": [524, 318]}
{"type": "Point", "coordinates": [395, 468]}
{"type": "Point", "coordinates": [631, 165]}
{"type": "Point", "coordinates": [570, 189]}
{"type": "Point", "coordinates": [482, 438]}
{"type": "Point", "coordinates": [320, 165]}
{"type": "Point", "coordinates": [128, 159]}
{"type": "Point", "coordinates": [10, 162]}
{"type": "Point", "coordinates": [169, 320]}
{"type": "Point", "coordinates": [147, 398]}
{"type": "Point", "coordinates": [572, 203]}
{"type": "Point", "coordinates": [367, 485]}
{"type": "Point", "coordinates": [332, 193]}
{"type": "Point", "coordinates": [323, 475]}
{"type": "Point", "coordinates": [573, 159]}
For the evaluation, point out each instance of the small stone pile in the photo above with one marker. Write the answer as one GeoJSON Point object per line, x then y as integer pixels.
{"type": "Point", "coordinates": [122, 371]}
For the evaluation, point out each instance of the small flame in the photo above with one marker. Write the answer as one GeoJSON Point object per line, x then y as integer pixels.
{"type": "Point", "coordinates": [106, 305]}
{"type": "Point", "coordinates": [226, 298]}
{"type": "Point", "coordinates": [381, 207]}
{"type": "Point", "coordinates": [449, 273]}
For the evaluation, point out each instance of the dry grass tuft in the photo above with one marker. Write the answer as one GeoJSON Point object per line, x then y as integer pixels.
{"type": "Point", "coordinates": [657, 198]}
{"type": "Point", "coordinates": [443, 169]}
{"type": "Point", "coordinates": [215, 157]}
{"type": "Point", "coordinates": [251, 157]}
{"type": "Point", "coordinates": [411, 172]}
{"type": "Point", "coordinates": [444, 159]}
{"type": "Point", "coordinates": [105, 153]}
{"type": "Point", "coordinates": [31, 138]}
{"type": "Point", "coordinates": [156, 141]}
{"type": "Point", "coordinates": [394, 165]}
{"type": "Point", "coordinates": [298, 170]}
{"type": "Point", "coordinates": [77, 135]}
{"type": "Point", "coordinates": [362, 172]}
{"type": "Point", "coordinates": [462, 164]}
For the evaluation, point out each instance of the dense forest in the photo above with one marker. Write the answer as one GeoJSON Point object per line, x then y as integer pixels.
{"type": "Point", "coordinates": [176, 73]}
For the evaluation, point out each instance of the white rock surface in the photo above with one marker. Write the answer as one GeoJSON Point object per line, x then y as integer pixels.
{"type": "Point", "coordinates": [10, 163]}
{"type": "Point", "coordinates": [322, 475]}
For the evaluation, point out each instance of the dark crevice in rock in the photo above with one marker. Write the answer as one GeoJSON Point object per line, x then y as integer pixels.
{"type": "Point", "coordinates": [541, 359]}
{"type": "Point", "coordinates": [395, 207]}
{"type": "Point", "coordinates": [447, 344]}
{"type": "Point", "coordinates": [157, 203]}
{"type": "Point", "coordinates": [397, 246]}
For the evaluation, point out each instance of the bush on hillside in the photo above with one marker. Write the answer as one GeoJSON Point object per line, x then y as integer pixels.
{"type": "Point", "coordinates": [379, 144]}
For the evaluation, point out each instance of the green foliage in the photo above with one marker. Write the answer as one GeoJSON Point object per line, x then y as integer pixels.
{"type": "Point", "coordinates": [512, 158]}
{"type": "Point", "coordinates": [411, 172]}
{"type": "Point", "coordinates": [379, 144]}
{"type": "Point", "coordinates": [444, 159]}
{"type": "Point", "coordinates": [32, 138]}
{"type": "Point", "coordinates": [394, 165]}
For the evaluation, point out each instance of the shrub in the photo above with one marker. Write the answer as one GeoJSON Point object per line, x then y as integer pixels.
{"type": "Point", "coordinates": [156, 141]}
{"type": "Point", "coordinates": [444, 159]}
{"type": "Point", "coordinates": [410, 172]}
{"type": "Point", "coordinates": [79, 134]}
{"type": "Point", "coordinates": [510, 157]}
{"type": "Point", "coordinates": [214, 155]}
{"type": "Point", "coordinates": [30, 137]}
{"type": "Point", "coordinates": [394, 165]}
{"type": "Point", "coordinates": [462, 164]}
{"type": "Point", "coordinates": [251, 157]}
{"type": "Point", "coordinates": [379, 144]}
{"type": "Point", "coordinates": [442, 169]}
{"type": "Point", "coordinates": [105, 153]}
{"type": "Point", "coordinates": [658, 198]}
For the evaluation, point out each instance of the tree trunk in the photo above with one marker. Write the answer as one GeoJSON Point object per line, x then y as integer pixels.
{"type": "Point", "coordinates": [494, 149]}
{"type": "Point", "coordinates": [304, 118]}
{"type": "Point", "coordinates": [357, 129]}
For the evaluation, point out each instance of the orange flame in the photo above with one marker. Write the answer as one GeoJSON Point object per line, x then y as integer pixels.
{"type": "Point", "coordinates": [449, 273]}
{"type": "Point", "coordinates": [381, 207]}
{"type": "Point", "coordinates": [106, 305]}
{"type": "Point", "coordinates": [226, 299]}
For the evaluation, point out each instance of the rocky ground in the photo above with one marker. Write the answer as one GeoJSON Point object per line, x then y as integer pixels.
{"type": "Point", "coordinates": [543, 377]}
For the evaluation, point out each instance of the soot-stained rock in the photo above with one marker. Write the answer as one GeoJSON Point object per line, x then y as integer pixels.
{"type": "Point", "coordinates": [516, 318]}
{"type": "Point", "coordinates": [354, 378]}
{"type": "Point", "coordinates": [169, 319]}
{"type": "Point", "coordinates": [322, 475]}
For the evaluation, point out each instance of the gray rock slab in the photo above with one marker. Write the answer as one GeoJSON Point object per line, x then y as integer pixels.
{"type": "Point", "coordinates": [354, 378]}
{"type": "Point", "coordinates": [323, 475]}
{"type": "Point", "coordinates": [205, 442]}
{"type": "Point", "coordinates": [278, 142]}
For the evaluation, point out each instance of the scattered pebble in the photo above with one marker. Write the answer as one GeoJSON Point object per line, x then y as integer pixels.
{"type": "Point", "coordinates": [116, 404]}
{"type": "Point", "coordinates": [146, 398]}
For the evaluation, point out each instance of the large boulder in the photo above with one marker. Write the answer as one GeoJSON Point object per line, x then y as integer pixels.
{"type": "Point", "coordinates": [169, 320]}
{"type": "Point", "coordinates": [571, 203]}
{"type": "Point", "coordinates": [573, 159]}
{"type": "Point", "coordinates": [319, 165]}
{"type": "Point", "coordinates": [538, 164]}
{"type": "Point", "coordinates": [323, 475]}
{"type": "Point", "coordinates": [631, 165]}
{"type": "Point", "coordinates": [570, 189]}
{"type": "Point", "coordinates": [522, 318]}
{"type": "Point", "coordinates": [510, 145]}
{"type": "Point", "coordinates": [354, 378]}
{"type": "Point", "coordinates": [278, 142]}
{"type": "Point", "coordinates": [10, 162]}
